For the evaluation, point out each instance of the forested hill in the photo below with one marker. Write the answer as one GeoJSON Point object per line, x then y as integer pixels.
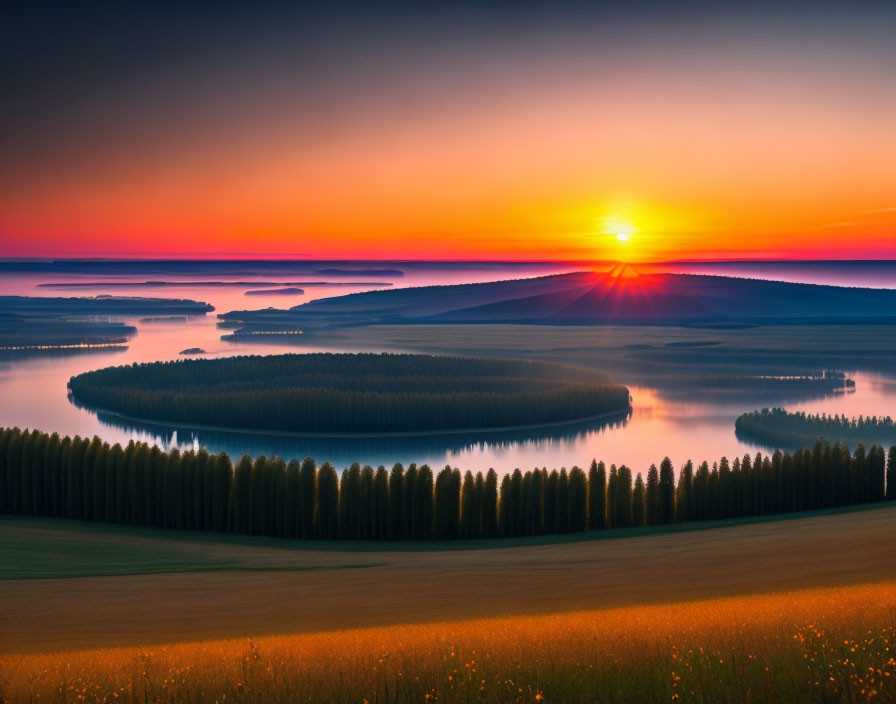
{"type": "Point", "coordinates": [620, 296]}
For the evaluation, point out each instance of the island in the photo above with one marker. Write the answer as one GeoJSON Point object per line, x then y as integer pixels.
{"type": "Point", "coordinates": [351, 393]}
{"type": "Point", "coordinates": [288, 291]}
{"type": "Point", "coordinates": [193, 350]}
{"type": "Point", "coordinates": [360, 272]}
{"type": "Point", "coordinates": [65, 285]}
{"type": "Point", "coordinates": [779, 428]}
{"type": "Point", "coordinates": [36, 324]}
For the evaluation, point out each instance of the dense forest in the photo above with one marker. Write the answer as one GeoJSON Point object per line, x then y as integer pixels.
{"type": "Point", "coordinates": [351, 393]}
{"type": "Point", "coordinates": [784, 429]}
{"type": "Point", "coordinates": [81, 478]}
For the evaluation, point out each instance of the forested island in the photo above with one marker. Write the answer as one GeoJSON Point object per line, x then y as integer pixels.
{"type": "Point", "coordinates": [81, 478]}
{"type": "Point", "coordinates": [36, 323]}
{"type": "Point", "coordinates": [797, 429]}
{"type": "Point", "coordinates": [351, 393]}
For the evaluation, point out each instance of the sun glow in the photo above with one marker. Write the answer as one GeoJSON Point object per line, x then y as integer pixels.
{"type": "Point", "coordinates": [619, 228]}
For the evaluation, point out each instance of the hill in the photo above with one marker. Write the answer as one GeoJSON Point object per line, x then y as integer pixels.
{"type": "Point", "coordinates": [620, 296]}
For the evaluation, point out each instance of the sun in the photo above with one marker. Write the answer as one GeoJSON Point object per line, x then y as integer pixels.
{"type": "Point", "coordinates": [619, 228]}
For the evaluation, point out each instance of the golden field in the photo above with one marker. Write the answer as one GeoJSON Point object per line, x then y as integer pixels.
{"type": "Point", "coordinates": [140, 594]}
{"type": "Point", "coordinates": [825, 645]}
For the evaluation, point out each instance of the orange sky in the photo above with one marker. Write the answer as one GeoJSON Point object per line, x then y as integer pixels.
{"type": "Point", "coordinates": [757, 147]}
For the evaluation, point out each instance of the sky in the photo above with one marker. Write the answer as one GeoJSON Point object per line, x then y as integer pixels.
{"type": "Point", "coordinates": [538, 131]}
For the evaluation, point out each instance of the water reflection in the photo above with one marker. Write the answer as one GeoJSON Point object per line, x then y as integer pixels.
{"type": "Point", "coordinates": [342, 451]}
{"type": "Point", "coordinates": [672, 414]}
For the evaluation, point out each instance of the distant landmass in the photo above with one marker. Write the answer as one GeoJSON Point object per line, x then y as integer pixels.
{"type": "Point", "coordinates": [360, 272]}
{"type": "Point", "coordinates": [620, 297]}
{"type": "Point", "coordinates": [288, 291]}
{"type": "Point", "coordinates": [201, 284]}
{"type": "Point", "coordinates": [39, 324]}
{"type": "Point", "coordinates": [192, 350]}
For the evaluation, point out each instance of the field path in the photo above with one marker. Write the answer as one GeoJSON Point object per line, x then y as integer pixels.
{"type": "Point", "coordinates": [413, 587]}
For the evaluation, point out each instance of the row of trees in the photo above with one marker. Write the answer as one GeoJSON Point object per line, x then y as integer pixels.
{"type": "Point", "coordinates": [80, 478]}
{"type": "Point", "coordinates": [349, 393]}
{"type": "Point", "coordinates": [782, 428]}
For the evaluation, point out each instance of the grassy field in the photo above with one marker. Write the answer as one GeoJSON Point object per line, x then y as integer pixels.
{"type": "Point", "coordinates": [824, 645]}
{"type": "Point", "coordinates": [49, 549]}
{"type": "Point", "coordinates": [254, 587]}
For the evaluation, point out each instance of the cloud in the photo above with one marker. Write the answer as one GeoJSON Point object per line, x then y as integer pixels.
{"type": "Point", "coordinates": [890, 209]}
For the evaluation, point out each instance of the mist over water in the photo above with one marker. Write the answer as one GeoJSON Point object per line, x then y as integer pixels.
{"type": "Point", "coordinates": [683, 424]}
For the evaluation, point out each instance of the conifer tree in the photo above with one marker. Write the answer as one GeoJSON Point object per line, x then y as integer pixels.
{"type": "Point", "coordinates": [307, 498]}
{"type": "Point", "coordinates": [684, 503]}
{"type": "Point", "coordinates": [292, 500]}
{"type": "Point", "coordinates": [468, 503]}
{"type": "Point", "coordinates": [23, 473]}
{"type": "Point", "coordinates": [597, 496]}
{"type": "Point", "coordinates": [490, 505]}
{"type": "Point", "coordinates": [549, 510]}
{"type": "Point", "coordinates": [667, 491]}
{"type": "Point", "coordinates": [479, 489]}
{"type": "Point", "coordinates": [172, 490]}
{"type": "Point", "coordinates": [326, 520]}
{"type": "Point", "coordinates": [397, 517]}
{"type": "Point", "coordinates": [891, 474]}
{"type": "Point", "coordinates": [639, 502]}
{"type": "Point", "coordinates": [534, 518]}
{"type": "Point", "coordinates": [613, 511]}
{"type": "Point", "coordinates": [241, 497]}
{"type": "Point", "coordinates": [504, 514]}
{"type": "Point", "coordinates": [653, 510]}
{"type": "Point", "coordinates": [578, 500]}
{"type": "Point", "coordinates": [38, 452]}
{"type": "Point", "coordinates": [425, 518]}
{"type": "Point", "coordinates": [724, 493]}
{"type": "Point", "coordinates": [411, 503]}
{"type": "Point", "coordinates": [5, 436]}
{"type": "Point", "coordinates": [221, 490]}
{"type": "Point", "coordinates": [516, 492]}
{"type": "Point", "coordinates": [624, 485]}
{"type": "Point", "coordinates": [54, 478]}
{"type": "Point", "coordinates": [380, 518]}
{"type": "Point", "coordinates": [153, 476]}
{"type": "Point", "coordinates": [112, 467]}
{"type": "Point", "coordinates": [276, 492]}
{"type": "Point", "coordinates": [366, 503]}
{"type": "Point", "coordinates": [202, 492]}
{"type": "Point", "coordinates": [561, 503]}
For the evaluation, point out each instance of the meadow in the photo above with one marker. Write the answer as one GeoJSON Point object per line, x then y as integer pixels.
{"type": "Point", "coordinates": [134, 586]}
{"type": "Point", "coordinates": [822, 645]}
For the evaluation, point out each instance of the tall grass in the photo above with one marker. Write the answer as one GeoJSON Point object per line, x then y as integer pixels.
{"type": "Point", "coordinates": [820, 645]}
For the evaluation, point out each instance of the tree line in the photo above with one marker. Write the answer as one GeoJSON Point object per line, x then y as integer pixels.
{"type": "Point", "coordinates": [87, 479]}
{"type": "Point", "coordinates": [350, 393]}
{"type": "Point", "coordinates": [798, 429]}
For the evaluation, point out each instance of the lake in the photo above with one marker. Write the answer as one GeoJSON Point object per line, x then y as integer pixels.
{"type": "Point", "coordinates": [698, 426]}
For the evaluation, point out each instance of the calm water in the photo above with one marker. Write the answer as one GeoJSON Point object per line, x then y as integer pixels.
{"type": "Point", "coordinates": [34, 389]}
